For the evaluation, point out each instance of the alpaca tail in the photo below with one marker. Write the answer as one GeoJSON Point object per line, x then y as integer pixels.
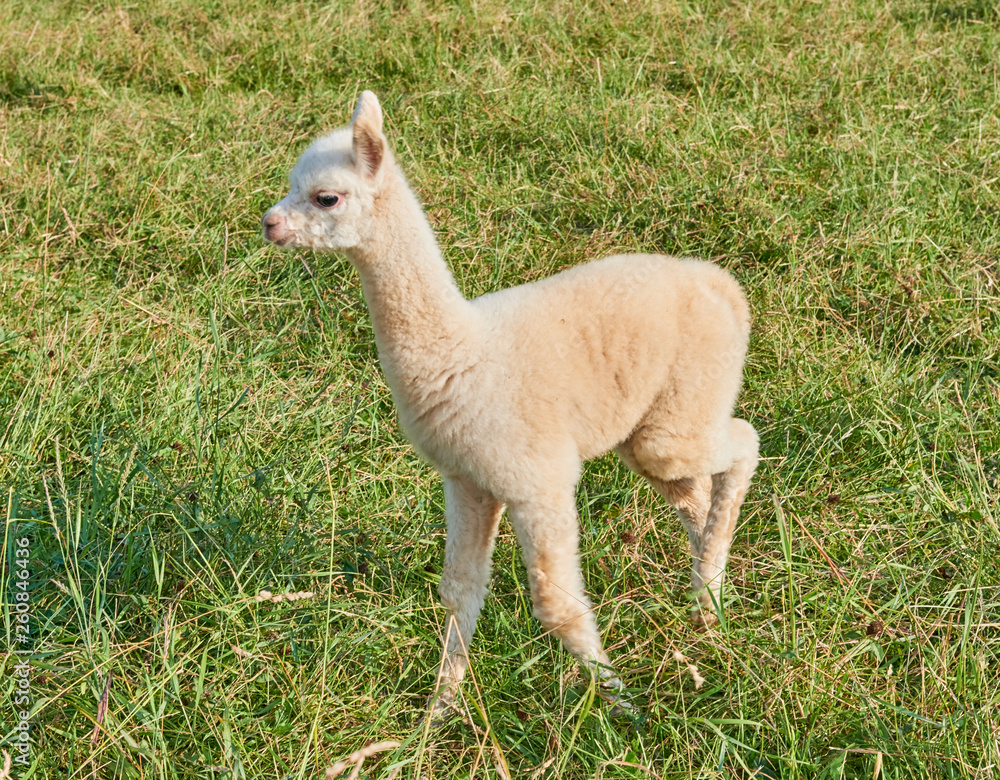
{"type": "Point", "coordinates": [729, 289]}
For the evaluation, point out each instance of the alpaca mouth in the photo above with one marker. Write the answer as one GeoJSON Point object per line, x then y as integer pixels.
{"type": "Point", "coordinates": [278, 239]}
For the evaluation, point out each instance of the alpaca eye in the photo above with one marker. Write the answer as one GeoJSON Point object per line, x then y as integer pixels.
{"type": "Point", "coordinates": [327, 201]}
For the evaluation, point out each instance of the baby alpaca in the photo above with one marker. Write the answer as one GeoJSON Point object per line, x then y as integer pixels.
{"type": "Point", "coordinates": [509, 393]}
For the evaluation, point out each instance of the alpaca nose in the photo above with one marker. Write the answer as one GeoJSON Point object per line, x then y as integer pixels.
{"type": "Point", "coordinates": [274, 224]}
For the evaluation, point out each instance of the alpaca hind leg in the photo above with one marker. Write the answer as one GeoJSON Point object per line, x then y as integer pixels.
{"type": "Point", "coordinates": [692, 498]}
{"type": "Point", "coordinates": [708, 505]}
{"type": "Point", "coordinates": [729, 488]}
{"type": "Point", "coordinates": [548, 533]}
{"type": "Point", "coordinates": [472, 518]}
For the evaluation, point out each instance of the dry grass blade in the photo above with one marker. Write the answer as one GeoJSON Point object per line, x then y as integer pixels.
{"type": "Point", "coordinates": [102, 708]}
{"type": "Point", "coordinates": [358, 759]}
{"type": "Point", "coordinates": [695, 676]}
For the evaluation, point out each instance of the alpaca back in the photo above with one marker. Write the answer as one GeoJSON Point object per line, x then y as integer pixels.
{"type": "Point", "coordinates": [595, 347]}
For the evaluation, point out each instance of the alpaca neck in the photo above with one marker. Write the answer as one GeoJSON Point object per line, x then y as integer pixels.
{"type": "Point", "coordinates": [417, 311]}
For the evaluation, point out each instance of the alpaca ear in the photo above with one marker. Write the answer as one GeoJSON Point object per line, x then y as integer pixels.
{"type": "Point", "coordinates": [366, 126]}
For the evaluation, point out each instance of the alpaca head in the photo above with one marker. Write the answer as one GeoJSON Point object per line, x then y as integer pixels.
{"type": "Point", "coordinates": [334, 185]}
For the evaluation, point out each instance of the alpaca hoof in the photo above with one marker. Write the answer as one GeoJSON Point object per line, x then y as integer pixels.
{"type": "Point", "coordinates": [441, 709]}
{"type": "Point", "coordinates": [704, 619]}
{"type": "Point", "coordinates": [621, 706]}
{"type": "Point", "coordinates": [622, 709]}
{"type": "Point", "coordinates": [613, 692]}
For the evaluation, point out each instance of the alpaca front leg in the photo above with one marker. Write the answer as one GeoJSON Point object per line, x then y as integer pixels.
{"type": "Point", "coordinates": [472, 516]}
{"type": "Point", "coordinates": [548, 533]}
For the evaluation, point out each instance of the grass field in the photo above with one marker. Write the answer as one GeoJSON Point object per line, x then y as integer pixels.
{"type": "Point", "coordinates": [188, 417]}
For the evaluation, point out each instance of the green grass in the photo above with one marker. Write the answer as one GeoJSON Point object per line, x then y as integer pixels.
{"type": "Point", "coordinates": [187, 416]}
